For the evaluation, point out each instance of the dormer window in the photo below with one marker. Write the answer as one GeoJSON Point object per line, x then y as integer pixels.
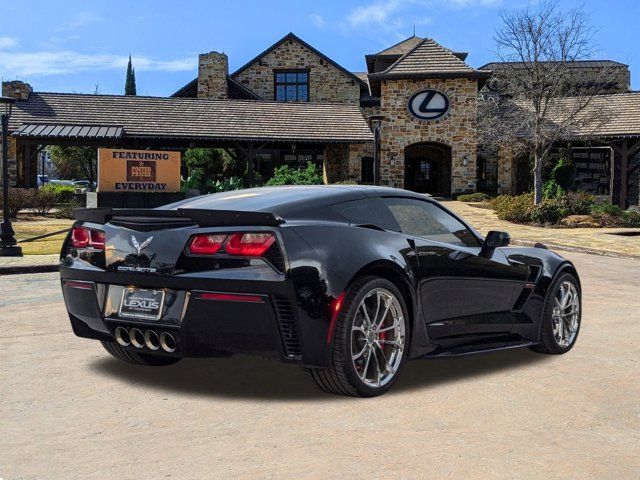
{"type": "Point", "coordinates": [292, 86]}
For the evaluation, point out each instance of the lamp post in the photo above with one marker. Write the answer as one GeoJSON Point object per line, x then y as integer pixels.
{"type": "Point", "coordinates": [376, 122]}
{"type": "Point", "coordinates": [8, 247]}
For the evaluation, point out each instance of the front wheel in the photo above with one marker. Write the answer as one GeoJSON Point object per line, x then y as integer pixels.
{"type": "Point", "coordinates": [561, 316]}
{"type": "Point", "coordinates": [369, 344]}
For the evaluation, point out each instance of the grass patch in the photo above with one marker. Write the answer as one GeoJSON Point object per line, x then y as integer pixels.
{"type": "Point", "coordinates": [28, 226]}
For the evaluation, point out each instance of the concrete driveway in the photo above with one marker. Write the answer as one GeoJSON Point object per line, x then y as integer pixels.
{"type": "Point", "coordinates": [67, 409]}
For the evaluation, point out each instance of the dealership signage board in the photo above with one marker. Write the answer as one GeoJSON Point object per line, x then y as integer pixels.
{"type": "Point", "coordinates": [122, 170]}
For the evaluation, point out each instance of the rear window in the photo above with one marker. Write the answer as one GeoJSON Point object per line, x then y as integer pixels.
{"type": "Point", "coordinates": [369, 211]}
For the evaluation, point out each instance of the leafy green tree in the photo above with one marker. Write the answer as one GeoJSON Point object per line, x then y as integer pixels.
{"type": "Point", "coordinates": [130, 82]}
{"type": "Point", "coordinates": [75, 162]}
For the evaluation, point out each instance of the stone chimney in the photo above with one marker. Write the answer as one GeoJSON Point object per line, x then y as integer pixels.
{"type": "Point", "coordinates": [213, 68]}
{"type": "Point", "coordinates": [16, 89]}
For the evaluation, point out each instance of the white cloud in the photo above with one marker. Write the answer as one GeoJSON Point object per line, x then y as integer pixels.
{"type": "Point", "coordinates": [22, 64]}
{"type": "Point", "coordinates": [318, 20]}
{"type": "Point", "coordinates": [379, 12]}
{"type": "Point", "coordinates": [7, 43]}
{"type": "Point", "coordinates": [82, 19]}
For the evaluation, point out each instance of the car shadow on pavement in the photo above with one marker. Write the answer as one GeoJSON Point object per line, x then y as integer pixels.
{"type": "Point", "coordinates": [252, 377]}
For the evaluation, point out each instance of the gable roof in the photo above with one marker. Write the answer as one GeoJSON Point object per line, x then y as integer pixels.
{"type": "Point", "coordinates": [427, 59]}
{"type": "Point", "coordinates": [187, 119]}
{"type": "Point", "coordinates": [292, 37]}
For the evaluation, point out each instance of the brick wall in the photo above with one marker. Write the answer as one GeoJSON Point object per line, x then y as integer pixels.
{"type": "Point", "coordinates": [457, 129]}
{"type": "Point", "coordinates": [326, 82]}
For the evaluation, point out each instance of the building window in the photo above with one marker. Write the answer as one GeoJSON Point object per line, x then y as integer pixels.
{"type": "Point", "coordinates": [292, 86]}
{"type": "Point", "coordinates": [366, 170]}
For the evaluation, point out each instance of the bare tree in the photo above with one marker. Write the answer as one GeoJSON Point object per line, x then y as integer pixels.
{"type": "Point", "coordinates": [539, 98]}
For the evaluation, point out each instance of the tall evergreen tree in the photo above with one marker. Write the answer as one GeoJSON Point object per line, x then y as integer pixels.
{"type": "Point", "coordinates": [130, 82]}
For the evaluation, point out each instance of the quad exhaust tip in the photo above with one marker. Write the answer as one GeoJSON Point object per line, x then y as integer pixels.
{"type": "Point", "coordinates": [122, 337]}
{"type": "Point", "coordinates": [149, 338]}
{"type": "Point", "coordinates": [137, 337]}
{"type": "Point", "coordinates": [168, 342]}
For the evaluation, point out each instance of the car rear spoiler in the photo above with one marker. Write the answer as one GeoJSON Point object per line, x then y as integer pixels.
{"type": "Point", "coordinates": [201, 217]}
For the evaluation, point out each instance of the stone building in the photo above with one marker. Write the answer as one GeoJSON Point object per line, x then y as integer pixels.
{"type": "Point", "coordinates": [420, 98]}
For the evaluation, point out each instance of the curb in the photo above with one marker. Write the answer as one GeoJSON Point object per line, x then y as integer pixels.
{"type": "Point", "coordinates": [18, 269]}
{"type": "Point", "coordinates": [568, 248]}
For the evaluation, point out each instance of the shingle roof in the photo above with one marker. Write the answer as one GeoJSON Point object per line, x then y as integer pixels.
{"type": "Point", "coordinates": [574, 64]}
{"type": "Point", "coordinates": [621, 112]}
{"type": "Point", "coordinates": [192, 118]}
{"type": "Point", "coordinates": [402, 47]}
{"type": "Point", "coordinates": [428, 58]}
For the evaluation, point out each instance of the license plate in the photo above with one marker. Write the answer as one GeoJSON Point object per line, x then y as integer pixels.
{"type": "Point", "coordinates": [141, 304]}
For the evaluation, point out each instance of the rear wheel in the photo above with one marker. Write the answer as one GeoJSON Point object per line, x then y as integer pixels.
{"type": "Point", "coordinates": [369, 344]}
{"type": "Point", "coordinates": [561, 316]}
{"type": "Point", "coordinates": [138, 358]}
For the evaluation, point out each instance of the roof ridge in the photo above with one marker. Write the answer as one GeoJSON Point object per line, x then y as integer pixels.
{"type": "Point", "coordinates": [293, 36]}
{"type": "Point", "coordinates": [394, 45]}
{"type": "Point", "coordinates": [388, 69]}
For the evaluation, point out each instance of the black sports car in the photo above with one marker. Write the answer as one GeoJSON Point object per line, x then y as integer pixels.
{"type": "Point", "coordinates": [347, 281]}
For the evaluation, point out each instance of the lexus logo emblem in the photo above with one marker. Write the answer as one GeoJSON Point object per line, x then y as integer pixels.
{"type": "Point", "coordinates": [428, 104]}
{"type": "Point", "coordinates": [140, 246]}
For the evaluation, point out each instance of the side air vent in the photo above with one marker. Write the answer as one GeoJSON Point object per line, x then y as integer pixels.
{"type": "Point", "coordinates": [288, 327]}
{"type": "Point", "coordinates": [522, 298]}
{"type": "Point", "coordinates": [534, 272]}
{"type": "Point", "coordinates": [274, 256]}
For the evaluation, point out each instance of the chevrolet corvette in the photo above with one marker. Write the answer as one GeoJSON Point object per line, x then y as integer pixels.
{"type": "Point", "coordinates": [349, 282]}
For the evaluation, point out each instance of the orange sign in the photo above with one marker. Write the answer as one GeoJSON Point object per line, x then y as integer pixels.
{"type": "Point", "coordinates": [138, 170]}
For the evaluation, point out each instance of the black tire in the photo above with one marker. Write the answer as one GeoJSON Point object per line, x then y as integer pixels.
{"type": "Point", "coordinates": [138, 358]}
{"type": "Point", "coordinates": [341, 377]}
{"type": "Point", "coordinates": [548, 343]}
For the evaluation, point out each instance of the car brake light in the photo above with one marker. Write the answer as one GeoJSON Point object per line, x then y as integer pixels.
{"type": "Point", "coordinates": [97, 239]}
{"type": "Point", "coordinates": [206, 244]}
{"type": "Point", "coordinates": [87, 237]}
{"type": "Point", "coordinates": [249, 244]}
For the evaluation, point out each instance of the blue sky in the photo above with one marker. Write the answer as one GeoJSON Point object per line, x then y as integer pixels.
{"type": "Point", "coordinates": [72, 46]}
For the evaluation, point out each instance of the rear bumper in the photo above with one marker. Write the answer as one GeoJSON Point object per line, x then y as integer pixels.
{"type": "Point", "coordinates": [258, 318]}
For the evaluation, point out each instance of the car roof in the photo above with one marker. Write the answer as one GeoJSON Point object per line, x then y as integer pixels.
{"type": "Point", "coordinates": [289, 200]}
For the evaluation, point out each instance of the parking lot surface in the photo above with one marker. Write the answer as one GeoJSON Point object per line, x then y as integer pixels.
{"type": "Point", "coordinates": [69, 410]}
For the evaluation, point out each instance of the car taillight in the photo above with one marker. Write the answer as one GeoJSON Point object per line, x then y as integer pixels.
{"type": "Point", "coordinates": [87, 237]}
{"type": "Point", "coordinates": [249, 244]}
{"type": "Point", "coordinates": [206, 244]}
{"type": "Point", "coordinates": [241, 244]}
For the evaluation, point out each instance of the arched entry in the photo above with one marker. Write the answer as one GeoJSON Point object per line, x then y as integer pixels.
{"type": "Point", "coordinates": [427, 168]}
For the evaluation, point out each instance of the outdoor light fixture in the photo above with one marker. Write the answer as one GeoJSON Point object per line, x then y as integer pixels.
{"type": "Point", "coordinates": [375, 121]}
{"type": "Point", "coordinates": [8, 247]}
{"type": "Point", "coordinates": [465, 160]}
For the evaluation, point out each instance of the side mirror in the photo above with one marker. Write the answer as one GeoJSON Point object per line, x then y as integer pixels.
{"type": "Point", "coordinates": [496, 239]}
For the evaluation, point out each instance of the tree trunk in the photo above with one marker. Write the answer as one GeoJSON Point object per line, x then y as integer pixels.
{"type": "Point", "coordinates": [537, 177]}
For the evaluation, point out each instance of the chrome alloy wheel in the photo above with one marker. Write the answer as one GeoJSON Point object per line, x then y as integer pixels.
{"type": "Point", "coordinates": [566, 314]}
{"type": "Point", "coordinates": [377, 338]}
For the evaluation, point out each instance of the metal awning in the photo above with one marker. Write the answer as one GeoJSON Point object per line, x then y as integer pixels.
{"type": "Point", "coordinates": [69, 131]}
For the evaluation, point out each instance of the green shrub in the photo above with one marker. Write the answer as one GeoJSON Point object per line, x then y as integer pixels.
{"type": "Point", "coordinates": [631, 218]}
{"type": "Point", "coordinates": [65, 210]}
{"type": "Point", "coordinates": [578, 203]}
{"type": "Point", "coordinates": [285, 175]}
{"type": "Point", "coordinates": [62, 193]}
{"type": "Point", "coordinates": [473, 197]}
{"type": "Point", "coordinates": [513, 208]}
{"type": "Point", "coordinates": [19, 199]}
{"type": "Point", "coordinates": [346, 182]}
{"type": "Point", "coordinates": [43, 201]}
{"type": "Point", "coordinates": [226, 185]}
{"type": "Point", "coordinates": [606, 208]}
{"type": "Point", "coordinates": [551, 189]}
{"type": "Point", "coordinates": [549, 211]}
